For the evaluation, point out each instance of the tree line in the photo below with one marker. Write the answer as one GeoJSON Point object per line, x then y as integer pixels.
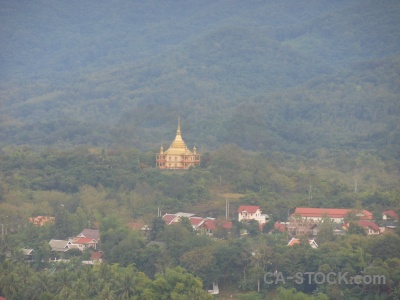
{"type": "Point", "coordinates": [174, 262]}
{"type": "Point", "coordinates": [108, 188]}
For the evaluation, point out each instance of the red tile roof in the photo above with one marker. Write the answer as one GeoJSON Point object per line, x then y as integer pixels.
{"type": "Point", "coordinates": [391, 214]}
{"type": "Point", "coordinates": [96, 255]}
{"type": "Point", "coordinates": [214, 224]}
{"type": "Point", "coordinates": [331, 212]}
{"type": "Point", "coordinates": [196, 221]}
{"type": "Point", "coordinates": [249, 208]}
{"type": "Point", "coordinates": [135, 225]}
{"type": "Point", "coordinates": [279, 226]}
{"type": "Point", "coordinates": [83, 241]}
{"type": "Point", "coordinates": [295, 241]}
{"type": "Point", "coordinates": [369, 224]}
{"type": "Point", "coordinates": [168, 218]}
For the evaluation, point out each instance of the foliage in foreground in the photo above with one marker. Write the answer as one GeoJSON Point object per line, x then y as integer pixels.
{"type": "Point", "coordinates": [19, 282]}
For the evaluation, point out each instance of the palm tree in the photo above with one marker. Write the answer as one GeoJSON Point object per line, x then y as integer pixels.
{"type": "Point", "coordinates": [24, 273]}
{"type": "Point", "coordinates": [10, 285]}
{"type": "Point", "coordinates": [41, 285]}
{"type": "Point", "coordinates": [105, 272]}
{"type": "Point", "coordinates": [91, 281]}
{"type": "Point", "coordinates": [66, 293]}
{"type": "Point", "coordinates": [5, 271]}
{"type": "Point", "coordinates": [80, 289]}
{"type": "Point", "coordinates": [125, 285]}
{"type": "Point", "coordinates": [107, 293]}
{"type": "Point", "coordinates": [62, 280]}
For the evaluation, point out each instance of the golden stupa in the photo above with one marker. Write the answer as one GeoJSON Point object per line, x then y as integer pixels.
{"type": "Point", "coordinates": [178, 156]}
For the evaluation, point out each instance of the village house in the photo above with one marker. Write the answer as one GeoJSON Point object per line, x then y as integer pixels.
{"type": "Point", "coordinates": [280, 226]}
{"type": "Point", "coordinates": [389, 222]}
{"type": "Point", "coordinates": [251, 212]}
{"type": "Point", "coordinates": [137, 226]}
{"type": "Point", "coordinates": [390, 215]}
{"type": "Point", "coordinates": [337, 215]}
{"type": "Point", "coordinates": [307, 228]}
{"type": "Point", "coordinates": [295, 241]}
{"type": "Point", "coordinates": [199, 224]}
{"type": "Point", "coordinates": [175, 218]}
{"type": "Point", "coordinates": [28, 254]}
{"type": "Point", "coordinates": [88, 238]}
{"type": "Point", "coordinates": [90, 233]}
{"type": "Point", "coordinates": [170, 218]}
{"type": "Point", "coordinates": [84, 243]}
{"type": "Point", "coordinates": [370, 227]}
{"type": "Point", "coordinates": [210, 226]}
{"type": "Point", "coordinates": [61, 245]}
{"type": "Point", "coordinates": [96, 257]}
{"type": "Point", "coordinates": [297, 227]}
{"type": "Point", "coordinates": [337, 229]}
{"type": "Point", "coordinates": [388, 226]}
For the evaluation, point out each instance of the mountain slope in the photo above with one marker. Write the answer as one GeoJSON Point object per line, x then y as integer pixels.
{"type": "Point", "coordinates": [264, 75]}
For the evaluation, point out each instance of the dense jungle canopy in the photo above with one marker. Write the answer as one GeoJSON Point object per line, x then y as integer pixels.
{"type": "Point", "coordinates": [279, 76]}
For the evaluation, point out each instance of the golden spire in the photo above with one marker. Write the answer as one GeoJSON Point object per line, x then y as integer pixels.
{"type": "Point", "coordinates": [178, 145]}
{"type": "Point", "coordinates": [178, 142]}
{"type": "Point", "coordinates": [178, 131]}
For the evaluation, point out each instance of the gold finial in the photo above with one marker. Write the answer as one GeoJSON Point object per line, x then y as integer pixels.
{"type": "Point", "coordinates": [178, 131]}
{"type": "Point", "coordinates": [179, 125]}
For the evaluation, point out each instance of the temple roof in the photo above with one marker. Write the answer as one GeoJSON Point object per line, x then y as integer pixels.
{"type": "Point", "coordinates": [178, 146]}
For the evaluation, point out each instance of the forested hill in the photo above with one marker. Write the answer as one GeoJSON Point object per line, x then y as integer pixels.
{"type": "Point", "coordinates": [265, 75]}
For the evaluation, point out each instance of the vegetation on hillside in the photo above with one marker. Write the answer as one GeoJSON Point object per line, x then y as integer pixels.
{"type": "Point", "coordinates": [284, 76]}
{"type": "Point", "coordinates": [289, 103]}
{"type": "Point", "coordinates": [116, 179]}
{"type": "Point", "coordinates": [108, 188]}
